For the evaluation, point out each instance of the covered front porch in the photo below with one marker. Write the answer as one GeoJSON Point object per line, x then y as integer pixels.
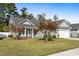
{"type": "Point", "coordinates": [28, 33]}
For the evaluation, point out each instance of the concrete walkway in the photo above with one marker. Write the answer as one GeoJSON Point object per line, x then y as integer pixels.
{"type": "Point", "coordinates": [72, 52]}
{"type": "Point", "coordinates": [73, 38]}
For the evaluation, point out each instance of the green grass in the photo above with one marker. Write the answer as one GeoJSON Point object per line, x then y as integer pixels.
{"type": "Point", "coordinates": [33, 47]}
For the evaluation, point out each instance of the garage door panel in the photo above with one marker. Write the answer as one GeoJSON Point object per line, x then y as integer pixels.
{"type": "Point", "coordinates": [64, 34]}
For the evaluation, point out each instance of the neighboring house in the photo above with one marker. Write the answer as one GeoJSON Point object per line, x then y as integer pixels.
{"type": "Point", "coordinates": [74, 33]}
{"type": "Point", "coordinates": [65, 29]}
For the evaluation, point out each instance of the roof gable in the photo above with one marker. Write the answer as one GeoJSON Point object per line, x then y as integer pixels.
{"type": "Point", "coordinates": [63, 24]}
{"type": "Point", "coordinates": [27, 22]}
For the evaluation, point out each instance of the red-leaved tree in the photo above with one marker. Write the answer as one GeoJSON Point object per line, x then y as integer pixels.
{"type": "Point", "coordinates": [46, 27]}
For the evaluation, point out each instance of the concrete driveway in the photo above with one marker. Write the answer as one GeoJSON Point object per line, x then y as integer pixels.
{"type": "Point", "coordinates": [72, 52]}
{"type": "Point", "coordinates": [72, 38]}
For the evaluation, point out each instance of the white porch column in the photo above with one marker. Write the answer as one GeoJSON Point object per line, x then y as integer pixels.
{"type": "Point", "coordinates": [32, 33]}
{"type": "Point", "coordinates": [28, 33]}
{"type": "Point", "coordinates": [25, 32]}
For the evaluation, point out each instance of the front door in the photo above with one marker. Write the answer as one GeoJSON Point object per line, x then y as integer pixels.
{"type": "Point", "coordinates": [29, 32]}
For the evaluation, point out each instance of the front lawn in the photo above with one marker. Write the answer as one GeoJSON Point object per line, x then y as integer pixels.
{"type": "Point", "coordinates": [33, 47]}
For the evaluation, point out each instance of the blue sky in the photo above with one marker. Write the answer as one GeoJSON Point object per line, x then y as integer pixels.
{"type": "Point", "coordinates": [68, 11]}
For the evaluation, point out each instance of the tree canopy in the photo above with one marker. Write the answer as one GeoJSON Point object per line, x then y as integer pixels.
{"type": "Point", "coordinates": [55, 17]}
{"type": "Point", "coordinates": [41, 16]}
{"type": "Point", "coordinates": [25, 14]}
{"type": "Point", "coordinates": [46, 27]}
{"type": "Point", "coordinates": [7, 9]}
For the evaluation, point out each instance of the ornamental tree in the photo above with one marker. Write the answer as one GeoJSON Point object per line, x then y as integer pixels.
{"type": "Point", "coordinates": [47, 26]}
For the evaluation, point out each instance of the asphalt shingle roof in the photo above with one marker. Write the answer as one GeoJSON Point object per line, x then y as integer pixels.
{"type": "Point", "coordinates": [75, 26]}
{"type": "Point", "coordinates": [18, 21]}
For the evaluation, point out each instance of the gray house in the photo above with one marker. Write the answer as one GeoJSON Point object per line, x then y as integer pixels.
{"type": "Point", "coordinates": [65, 29]}
{"type": "Point", "coordinates": [74, 33]}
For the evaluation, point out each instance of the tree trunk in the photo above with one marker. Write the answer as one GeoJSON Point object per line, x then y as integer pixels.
{"type": "Point", "coordinates": [45, 36]}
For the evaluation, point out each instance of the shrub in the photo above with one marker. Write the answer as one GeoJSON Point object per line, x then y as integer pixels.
{"type": "Point", "coordinates": [54, 36]}
{"type": "Point", "coordinates": [1, 27]}
{"type": "Point", "coordinates": [49, 37]}
{"type": "Point", "coordinates": [1, 38]}
{"type": "Point", "coordinates": [45, 36]}
{"type": "Point", "coordinates": [11, 36]}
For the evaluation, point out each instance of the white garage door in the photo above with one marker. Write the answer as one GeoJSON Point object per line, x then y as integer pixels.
{"type": "Point", "coordinates": [64, 33]}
